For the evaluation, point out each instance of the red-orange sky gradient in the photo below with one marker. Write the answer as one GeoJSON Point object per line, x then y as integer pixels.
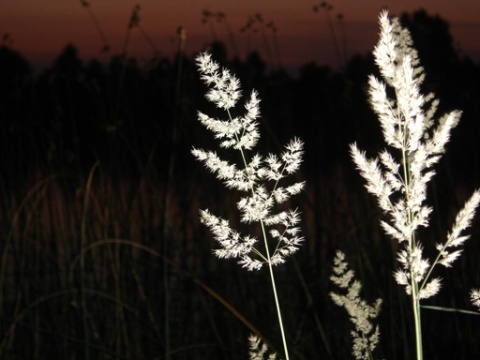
{"type": "Point", "coordinates": [39, 29]}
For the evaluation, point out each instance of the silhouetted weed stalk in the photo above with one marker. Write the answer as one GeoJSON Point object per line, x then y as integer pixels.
{"type": "Point", "coordinates": [258, 177]}
{"type": "Point", "coordinates": [399, 178]}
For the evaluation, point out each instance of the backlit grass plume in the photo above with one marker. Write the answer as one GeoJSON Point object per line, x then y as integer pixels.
{"type": "Point", "coordinates": [475, 297]}
{"type": "Point", "coordinates": [399, 178]}
{"type": "Point", "coordinates": [251, 177]}
{"type": "Point", "coordinates": [259, 178]}
{"type": "Point", "coordinates": [259, 350]}
{"type": "Point", "coordinates": [366, 335]}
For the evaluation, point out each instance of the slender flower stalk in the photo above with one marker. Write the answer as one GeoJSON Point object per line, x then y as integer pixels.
{"type": "Point", "coordinates": [399, 178]}
{"type": "Point", "coordinates": [259, 178]}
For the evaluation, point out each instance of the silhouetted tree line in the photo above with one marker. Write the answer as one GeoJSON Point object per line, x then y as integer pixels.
{"type": "Point", "coordinates": [130, 116]}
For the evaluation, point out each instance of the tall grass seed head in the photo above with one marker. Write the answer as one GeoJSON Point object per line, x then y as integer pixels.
{"type": "Point", "coordinates": [259, 178]}
{"type": "Point", "coordinates": [409, 128]}
{"type": "Point", "coordinates": [366, 335]}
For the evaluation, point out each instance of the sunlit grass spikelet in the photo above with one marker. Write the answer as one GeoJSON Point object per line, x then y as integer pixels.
{"type": "Point", "coordinates": [365, 336]}
{"type": "Point", "coordinates": [259, 350]}
{"type": "Point", "coordinates": [260, 178]}
{"type": "Point", "coordinates": [399, 178]}
{"type": "Point", "coordinates": [475, 297]}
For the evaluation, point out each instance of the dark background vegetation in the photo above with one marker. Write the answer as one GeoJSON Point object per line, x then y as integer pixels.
{"type": "Point", "coordinates": [102, 253]}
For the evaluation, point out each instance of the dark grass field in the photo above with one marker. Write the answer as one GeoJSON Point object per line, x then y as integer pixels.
{"type": "Point", "coordinates": [102, 252]}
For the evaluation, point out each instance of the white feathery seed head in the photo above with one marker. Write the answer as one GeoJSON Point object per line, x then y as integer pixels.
{"type": "Point", "coordinates": [475, 297]}
{"type": "Point", "coordinates": [259, 350]}
{"type": "Point", "coordinates": [365, 335]}
{"type": "Point", "coordinates": [398, 177]}
{"type": "Point", "coordinates": [259, 178]}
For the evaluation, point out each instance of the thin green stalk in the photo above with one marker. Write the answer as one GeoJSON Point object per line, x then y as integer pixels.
{"type": "Point", "coordinates": [449, 309]}
{"type": "Point", "coordinates": [418, 325]}
{"type": "Point", "coordinates": [275, 295]}
{"type": "Point", "coordinates": [411, 246]}
{"type": "Point", "coordinates": [434, 264]}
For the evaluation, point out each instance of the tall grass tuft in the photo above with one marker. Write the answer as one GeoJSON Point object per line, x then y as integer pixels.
{"type": "Point", "coordinates": [259, 178]}
{"type": "Point", "coordinates": [398, 178]}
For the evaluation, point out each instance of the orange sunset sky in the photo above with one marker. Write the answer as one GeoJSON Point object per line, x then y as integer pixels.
{"type": "Point", "coordinates": [39, 29]}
